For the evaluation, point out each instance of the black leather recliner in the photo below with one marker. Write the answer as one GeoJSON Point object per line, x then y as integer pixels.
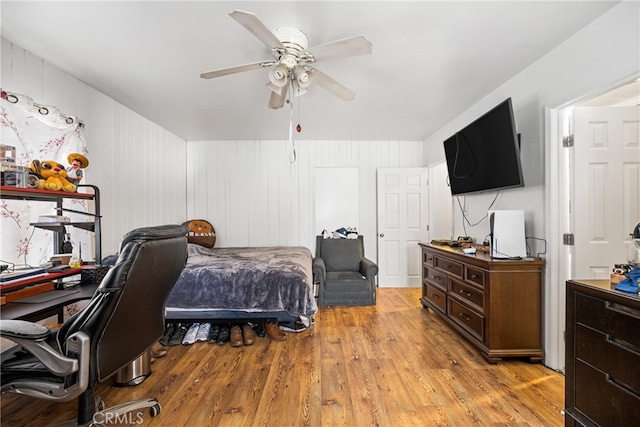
{"type": "Point", "coordinates": [344, 275]}
{"type": "Point", "coordinates": [122, 320]}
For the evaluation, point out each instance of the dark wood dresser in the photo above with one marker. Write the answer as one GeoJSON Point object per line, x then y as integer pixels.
{"type": "Point", "coordinates": [495, 304]}
{"type": "Point", "coordinates": [602, 377]}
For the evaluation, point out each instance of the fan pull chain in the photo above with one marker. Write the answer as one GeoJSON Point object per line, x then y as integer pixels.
{"type": "Point", "coordinates": [294, 155]}
{"type": "Point", "coordinates": [299, 128]}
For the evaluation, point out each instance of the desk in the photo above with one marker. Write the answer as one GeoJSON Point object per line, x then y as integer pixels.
{"type": "Point", "coordinates": [33, 312]}
{"type": "Point", "coordinates": [49, 277]}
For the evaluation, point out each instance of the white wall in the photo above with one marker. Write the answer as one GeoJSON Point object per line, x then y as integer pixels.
{"type": "Point", "coordinates": [138, 166]}
{"type": "Point", "coordinates": [337, 198]}
{"type": "Point", "coordinates": [441, 203]}
{"type": "Point", "coordinates": [602, 54]}
{"type": "Point", "coordinates": [254, 195]}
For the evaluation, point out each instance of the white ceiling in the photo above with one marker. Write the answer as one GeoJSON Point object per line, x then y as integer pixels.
{"type": "Point", "coordinates": [431, 60]}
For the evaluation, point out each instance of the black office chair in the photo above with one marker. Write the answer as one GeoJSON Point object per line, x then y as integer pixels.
{"type": "Point", "coordinates": [123, 319]}
{"type": "Point", "coordinates": [344, 275]}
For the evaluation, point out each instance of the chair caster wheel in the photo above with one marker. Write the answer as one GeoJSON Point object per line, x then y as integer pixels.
{"type": "Point", "coordinates": [155, 410]}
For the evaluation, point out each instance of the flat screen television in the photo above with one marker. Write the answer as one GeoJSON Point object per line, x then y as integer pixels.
{"type": "Point", "coordinates": [485, 155]}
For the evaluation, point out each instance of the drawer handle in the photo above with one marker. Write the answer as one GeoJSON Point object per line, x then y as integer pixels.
{"type": "Point", "coordinates": [437, 277]}
{"type": "Point", "coordinates": [627, 311]}
{"type": "Point", "coordinates": [465, 293]}
{"type": "Point", "coordinates": [474, 276]}
{"type": "Point", "coordinates": [435, 296]}
{"type": "Point", "coordinates": [464, 317]}
{"type": "Point", "coordinates": [612, 381]}
{"type": "Point", "coordinates": [623, 344]}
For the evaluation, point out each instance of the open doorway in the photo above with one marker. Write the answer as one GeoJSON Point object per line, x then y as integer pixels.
{"type": "Point", "coordinates": [563, 198]}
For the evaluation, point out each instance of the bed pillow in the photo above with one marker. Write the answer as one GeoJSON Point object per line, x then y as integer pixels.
{"type": "Point", "coordinates": [201, 232]}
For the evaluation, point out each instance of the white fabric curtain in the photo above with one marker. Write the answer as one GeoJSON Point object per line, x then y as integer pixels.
{"type": "Point", "coordinates": [39, 132]}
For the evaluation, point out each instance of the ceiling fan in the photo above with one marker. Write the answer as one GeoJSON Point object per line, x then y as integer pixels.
{"type": "Point", "coordinates": [292, 61]}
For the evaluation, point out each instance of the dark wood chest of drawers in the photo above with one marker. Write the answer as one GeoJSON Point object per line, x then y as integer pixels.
{"type": "Point", "coordinates": [602, 365]}
{"type": "Point", "coordinates": [495, 304]}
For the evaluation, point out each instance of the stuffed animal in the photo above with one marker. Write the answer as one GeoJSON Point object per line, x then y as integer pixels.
{"type": "Point", "coordinates": [52, 176]}
{"type": "Point", "coordinates": [201, 232]}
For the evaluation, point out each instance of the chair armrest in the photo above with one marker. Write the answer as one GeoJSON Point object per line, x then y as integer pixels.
{"type": "Point", "coordinates": [319, 269]}
{"type": "Point", "coordinates": [32, 337]}
{"type": "Point", "coordinates": [368, 268]}
{"type": "Point", "coordinates": [23, 329]}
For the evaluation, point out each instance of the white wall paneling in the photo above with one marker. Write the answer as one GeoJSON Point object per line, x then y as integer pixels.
{"type": "Point", "coordinates": [254, 195]}
{"type": "Point", "coordinates": [138, 166]}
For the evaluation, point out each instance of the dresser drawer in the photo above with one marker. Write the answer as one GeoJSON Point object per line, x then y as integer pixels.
{"type": "Point", "coordinates": [437, 298]}
{"type": "Point", "coordinates": [427, 258]}
{"type": "Point", "coordinates": [467, 294]}
{"type": "Point", "coordinates": [600, 398]}
{"type": "Point", "coordinates": [617, 359]}
{"type": "Point", "coordinates": [452, 267]}
{"type": "Point", "coordinates": [466, 318]}
{"type": "Point", "coordinates": [436, 278]}
{"type": "Point", "coordinates": [474, 275]}
{"type": "Point", "coordinates": [618, 321]}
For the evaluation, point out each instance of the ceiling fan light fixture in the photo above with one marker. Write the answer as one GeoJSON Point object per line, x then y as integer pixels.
{"type": "Point", "coordinates": [302, 77]}
{"type": "Point", "coordinates": [278, 75]}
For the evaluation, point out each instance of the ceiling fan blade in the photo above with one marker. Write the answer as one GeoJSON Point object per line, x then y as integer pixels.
{"type": "Point", "coordinates": [330, 84]}
{"type": "Point", "coordinates": [277, 100]}
{"type": "Point", "coordinates": [237, 69]}
{"type": "Point", "coordinates": [352, 46]}
{"type": "Point", "coordinates": [255, 26]}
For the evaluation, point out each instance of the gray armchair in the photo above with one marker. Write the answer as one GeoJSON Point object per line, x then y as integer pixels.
{"type": "Point", "coordinates": [344, 275]}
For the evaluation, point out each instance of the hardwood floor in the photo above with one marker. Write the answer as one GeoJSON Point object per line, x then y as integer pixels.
{"type": "Point", "coordinates": [394, 364]}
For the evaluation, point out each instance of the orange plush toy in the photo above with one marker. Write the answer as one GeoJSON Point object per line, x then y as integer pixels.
{"type": "Point", "coordinates": [53, 176]}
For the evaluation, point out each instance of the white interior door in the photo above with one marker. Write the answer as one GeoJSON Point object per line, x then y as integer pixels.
{"type": "Point", "coordinates": [402, 223]}
{"type": "Point", "coordinates": [606, 199]}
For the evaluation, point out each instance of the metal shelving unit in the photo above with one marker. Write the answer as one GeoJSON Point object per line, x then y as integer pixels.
{"type": "Point", "coordinates": [57, 197]}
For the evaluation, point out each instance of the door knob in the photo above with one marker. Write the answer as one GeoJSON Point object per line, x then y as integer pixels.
{"type": "Point", "coordinates": [381, 234]}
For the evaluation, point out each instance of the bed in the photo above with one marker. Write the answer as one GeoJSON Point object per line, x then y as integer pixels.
{"type": "Point", "coordinates": [248, 283]}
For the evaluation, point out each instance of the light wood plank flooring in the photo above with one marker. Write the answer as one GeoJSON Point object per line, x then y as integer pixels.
{"type": "Point", "coordinates": [394, 364]}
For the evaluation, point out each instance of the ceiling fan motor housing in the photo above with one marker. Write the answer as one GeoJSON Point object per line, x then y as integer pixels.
{"type": "Point", "coordinates": [294, 41]}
